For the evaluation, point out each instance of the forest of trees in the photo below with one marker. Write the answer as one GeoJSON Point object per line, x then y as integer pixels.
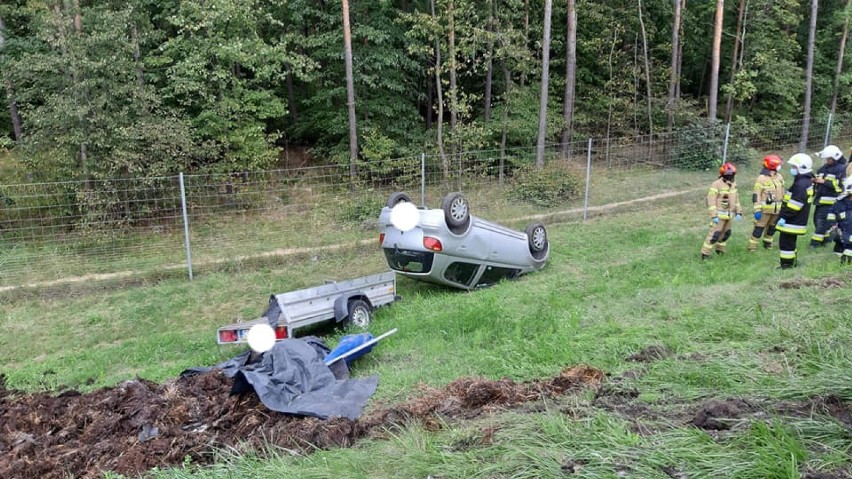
{"type": "Point", "coordinates": [103, 88]}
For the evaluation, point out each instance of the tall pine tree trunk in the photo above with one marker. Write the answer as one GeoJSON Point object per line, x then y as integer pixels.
{"type": "Point", "coordinates": [439, 90]}
{"type": "Point", "coordinates": [350, 97]}
{"type": "Point", "coordinates": [841, 52]}
{"type": "Point", "coordinates": [648, 88]}
{"type": "Point", "coordinates": [489, 71]}
{"type": "Point", "coordinates": [526, 37]}
{"type": "Point", "coordinates": [77, 88]}
{"type": "Point", "coordinates": [714, 62]}
{"type": "Point", "coordinates": [545, 76]}
{"type": "Point", "coordinates": [453, 82]}
{"type": "Point", "coordinates": [10, 91]}
{"type": "Point", "coordinates": [570, 79]}
{"type": "Point", "coordinates": [291, 95]}
{"type": "Point", "coordinates": [680, 55]}
{"type": "Point", "coordinates": [738, 44]}
{"type": "Point", "coordinates": [809, 70]}
{"type": "Point", "coordinates": [505, 122]}
{"type": "Point", "coordinates": [674, 76]}
{"type": "Point", "coordinates": [137, 55]}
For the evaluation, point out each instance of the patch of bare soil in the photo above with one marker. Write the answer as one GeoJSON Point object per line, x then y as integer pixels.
{"type": "Point", "coordinates": [651, 353]}
{"type": "Point", "coordinates": [828, 475]}
{"type": "Point", "coordinates": [831, 405]}
{"type": "Point", "coordinates": [719, 415]}
{"type": "Point", "coordinates": [824, 283]}
{"type": "Point", "coordinates": [139, 425]}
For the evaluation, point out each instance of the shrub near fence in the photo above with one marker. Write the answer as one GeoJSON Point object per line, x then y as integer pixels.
{"type": "Point", "coordinates": [135, 226]}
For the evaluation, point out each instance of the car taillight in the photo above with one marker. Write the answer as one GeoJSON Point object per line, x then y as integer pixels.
{"type": "Point", "coordinates": [227, 336]}
{"type": "Point", "coordinates": [281, 332]}
{"type": "Point", "coordinates": [431, 243]}
{"type": "Point", "coordinates": [381, 238]}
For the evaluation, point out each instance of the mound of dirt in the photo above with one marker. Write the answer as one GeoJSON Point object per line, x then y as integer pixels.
{"type": "Point", "coordinates": [139, 425]}
{"type": "Point", "coordinates": [651, 353]}
{"type": "Point", "coordinates": [719, 415]}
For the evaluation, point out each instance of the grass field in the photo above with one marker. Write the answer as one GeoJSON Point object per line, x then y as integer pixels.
{"type": "Point", "coordinates": [730, 329]}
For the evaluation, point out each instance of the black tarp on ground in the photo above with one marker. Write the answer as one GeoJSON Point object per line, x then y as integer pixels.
{"type": "Point", "coordinates": [291, 378]}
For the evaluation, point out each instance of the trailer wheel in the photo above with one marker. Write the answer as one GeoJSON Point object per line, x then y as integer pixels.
{"type": "Point", "coordinates": [360, 313]}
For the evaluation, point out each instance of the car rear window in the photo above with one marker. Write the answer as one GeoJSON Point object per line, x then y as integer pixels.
{"type": "Point", "coordinates": [461, 273]}
{"type": "Point", "coordinates": [409, 261]}
{"type": "Point", "coordinates": [493, 274]}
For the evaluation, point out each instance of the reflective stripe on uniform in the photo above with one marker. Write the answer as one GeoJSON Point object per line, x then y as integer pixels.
{"type": "Point", "coordinates": [827, 200]}
{"type": "Point", "coordinates": [847, 252]}
{"type": "Point", "coordinates": [788, 254]}
{"type": "Point", "coordinates": [795, 205]}
{"type": "Point", "coordinates": [818, 238]}
{"type": "Point", "coordinates": [793, 229]}
{"type": "Point", "coordinates": [831, 217]}
{"type": "Point", "coordinates": [843, 215]}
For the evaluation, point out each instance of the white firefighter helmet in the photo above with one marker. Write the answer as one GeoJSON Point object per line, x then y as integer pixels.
{"type": "Point", "coordinates": [847, 186]}
{"type": "Point", "coordinates": [830, 152]}
{"type": "Point", "coordinates": [802, 161]}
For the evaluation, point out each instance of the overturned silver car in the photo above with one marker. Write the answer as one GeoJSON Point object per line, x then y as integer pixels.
{"type": "Point", "coordinates": [451, 247]}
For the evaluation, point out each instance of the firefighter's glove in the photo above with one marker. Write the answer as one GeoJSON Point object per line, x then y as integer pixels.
{"type": "Point", "coordinates": [738, 217]}
{"type": "Point", "coordinates": [781, 222]}
{"type": "Point", "coordinates": [715, 220]}
{"type": "Point", "coordinates": [758, 215]}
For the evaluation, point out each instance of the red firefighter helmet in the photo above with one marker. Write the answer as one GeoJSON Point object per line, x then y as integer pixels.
{"type": "Point", "coordinates": [772, 162]}
{"type": "Point", "coordinates": [727, 169]}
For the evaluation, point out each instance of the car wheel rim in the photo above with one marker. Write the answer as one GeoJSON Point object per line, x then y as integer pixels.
{"type": "Point", "coordinates": [539, 238]}
{"type": "Point", "coordinates": [360, 318]}
{"type": "Point", "coordinates": [458, 210]}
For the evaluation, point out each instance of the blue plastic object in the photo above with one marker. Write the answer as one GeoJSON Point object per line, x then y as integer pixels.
{"type": "Point", "coordinates": [348, 343]}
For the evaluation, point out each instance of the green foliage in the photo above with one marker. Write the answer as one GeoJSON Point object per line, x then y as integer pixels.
{"type": "Point", "coordinates": [545, 186]}
{"type": "Point", "coordinates": [361, 208]}
{"type": "Point", "coordinates": [699, 148]}
{"type": "Point", "coordinates": [152, 88]}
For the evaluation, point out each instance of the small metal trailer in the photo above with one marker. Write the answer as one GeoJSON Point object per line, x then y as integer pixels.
{"type": "Point", "coordinates": [351, 302]}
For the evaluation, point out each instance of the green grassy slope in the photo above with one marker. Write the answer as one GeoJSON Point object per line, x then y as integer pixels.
{"type": "Point", "coordinates": [733, 326]}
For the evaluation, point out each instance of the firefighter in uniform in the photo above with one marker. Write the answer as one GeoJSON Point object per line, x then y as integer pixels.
{"type": "Point", "coordinates": [767, 196]}
{"type": "Point", "coordinates": [723, 204]}
{"type": "Point", "coordinates": [796, 208]}
{"type": "Point", "coordinates": [841, 216]}
{"type": "Point", "coordinates": [828, 187]}
{"type": "Point", "coordinates": [849, 167]}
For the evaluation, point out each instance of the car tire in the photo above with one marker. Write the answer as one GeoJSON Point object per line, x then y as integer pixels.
{"type": "Point", "coordinates": [359, 313]}
{"type": "Point", "coordinates": [456, 212]}
{"type": "Point", "coordinates": [397, 198]}
{"type": "Point", "coordinates": [537, 240]}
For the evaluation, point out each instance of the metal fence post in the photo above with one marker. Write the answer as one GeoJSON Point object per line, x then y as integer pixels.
{"type": "Point", "coordinates": [828, 131]}
{"type": "Point", "coordinates": [588, 179]}
{"type": "Point", "coordinates": [725, 147]}
{"type": "Point", "coordinates": [185, 226]}
{"type": "Point", "coordinates": [423, 179]}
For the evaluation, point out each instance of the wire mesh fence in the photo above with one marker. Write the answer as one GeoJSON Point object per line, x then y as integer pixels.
{"type": "Point", "coordinates": [129, 227]}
